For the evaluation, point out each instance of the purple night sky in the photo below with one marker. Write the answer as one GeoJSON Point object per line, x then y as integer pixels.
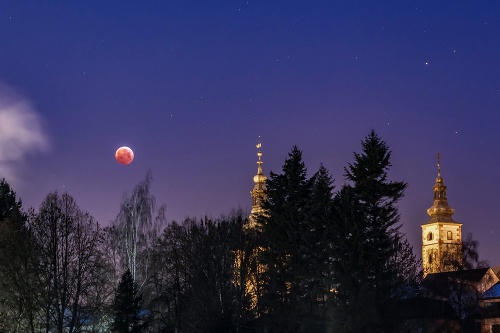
{"type": "Point", "coordinates": [191, 85]}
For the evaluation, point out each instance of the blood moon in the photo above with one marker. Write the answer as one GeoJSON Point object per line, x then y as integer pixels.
{"type": "Point", "coordinates": [124, 155]}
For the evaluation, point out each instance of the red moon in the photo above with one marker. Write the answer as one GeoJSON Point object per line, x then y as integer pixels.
{"type": "Point", "coordinates": [124, 155]}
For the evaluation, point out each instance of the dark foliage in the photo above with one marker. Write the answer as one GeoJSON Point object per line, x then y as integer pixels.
{"type": "Point", "coordinates": [315, 262]}
{"type": "Point", "coordinates": [9, 203]}
{"type": "Point", "coordinates": [69, 266]}
{"type": "Point", "coordinates": [463, 296]}
{"type": "Point", "coordinates": [128, 314]}
{"type": "Point", "coordinates": [294, 239]}
{"type": "Point", "coordinates": [369, 270]}
{"type": "Point", "coordinates": [200, 276]}
{"type": "Point", "coordinates": [18, 262]}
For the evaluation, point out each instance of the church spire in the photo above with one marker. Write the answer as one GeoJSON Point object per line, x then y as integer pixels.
{"type": "Point", "coordinates": [259, 178]}
{"type": "Point", "coordinates": [440, 210]}
{"type": "Point", "coordinates": [259, 190]}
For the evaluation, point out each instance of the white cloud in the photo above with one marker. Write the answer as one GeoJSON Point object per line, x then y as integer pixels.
{"type": "Point", "coordinates": [21, 131]}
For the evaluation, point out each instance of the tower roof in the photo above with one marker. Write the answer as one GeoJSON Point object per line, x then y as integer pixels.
{"type": "Point", "coordinates": [440, 211]}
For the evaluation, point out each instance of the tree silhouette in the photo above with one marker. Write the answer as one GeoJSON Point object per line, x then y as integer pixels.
{"type": "Point", "coordinates": [368, 268]}
{"type": "Point", "coordinates": [67, 242]}
{"type": "Point", "coordinates": [127, 307]}
{"type": "Point", "coordinates": [17, 262]}
{"type": "Point", "coordinates": [136, 227]}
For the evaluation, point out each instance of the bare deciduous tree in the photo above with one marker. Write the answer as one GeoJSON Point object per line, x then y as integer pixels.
{"type": "Point", "coordinates": [67, 241]}
{"type": "Point", "coordinates": [136, 228]}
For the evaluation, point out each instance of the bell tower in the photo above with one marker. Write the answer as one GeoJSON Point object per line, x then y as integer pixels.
{"type": "Point", "coordinates": [441, 235]}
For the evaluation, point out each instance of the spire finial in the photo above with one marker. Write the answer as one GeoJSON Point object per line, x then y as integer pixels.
{"type": "Point", "coordinates": [439, 164]}
{"type": "Point", "coordinates": [259, 164]}
{"type": "Point", "coordinates": [259, 153]}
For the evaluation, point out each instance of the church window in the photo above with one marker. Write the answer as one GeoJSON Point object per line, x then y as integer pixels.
{"type": "Point", "coordinates": [429, 236]}
{"type": "Point", "coordinates": [449, 235]}
{"type": "Point", "coordinates": [430, 258]}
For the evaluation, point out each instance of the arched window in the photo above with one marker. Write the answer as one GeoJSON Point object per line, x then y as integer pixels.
{"type": "Point", "coordinates": [430, 258]}
{"type": "Point", "coordinates": [449, 235]}
{"type": "Point", "coordinates": [429, 236]}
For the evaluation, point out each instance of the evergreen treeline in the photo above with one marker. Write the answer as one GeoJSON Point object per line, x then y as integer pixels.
{"type": "Point", "coordinates": [320, 259]}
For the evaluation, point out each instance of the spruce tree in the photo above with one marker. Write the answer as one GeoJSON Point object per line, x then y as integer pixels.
{"type": "Point", "coordinates": [315, 262]}
{"type": "Point", "coordinates": [296, 248]}
{"type": "Point", "coordinates": [366, 240]}
{"type": "Point", "coordinates": [282, 240]}
{"type": "Point", "coordinates": [9, 204]}
{"type": "Point", "coordinates": [127, 307]}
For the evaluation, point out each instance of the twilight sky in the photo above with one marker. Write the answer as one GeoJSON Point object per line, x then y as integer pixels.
{"type": "Point", "coordinates": [191, 85]}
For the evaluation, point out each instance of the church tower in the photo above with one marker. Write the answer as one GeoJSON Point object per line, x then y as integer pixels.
{"type": "Point", "coordinates": [441, 236]}
{"type": "Point", "coordinates": [259, 191]}
{"type": "Point", "coordinates": [250, 281]}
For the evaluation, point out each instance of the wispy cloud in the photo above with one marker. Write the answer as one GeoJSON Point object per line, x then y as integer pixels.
{"type": "Point", "coordinates": [21, 131]}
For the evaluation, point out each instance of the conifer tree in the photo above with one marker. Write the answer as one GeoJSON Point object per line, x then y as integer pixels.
{"type": "Point", "coordinates": [127, 307]}
{"type": "Point", "coordinates": [9, 204]}
{"type": "Point", "coordinates": [282, 236]}
{"type": "Point", "coordinates": [316, 281]}
{"type": "Point", "coordinates": [366, 241]}
{"type": "Point", "coordinates": [296, 248]}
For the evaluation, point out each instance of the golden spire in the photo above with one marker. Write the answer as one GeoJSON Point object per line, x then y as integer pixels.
{"type": "Point", "coordinates": [440, 211]}
{"type": "Point", "coordinates": [259, 190]}
{"type": "Point", "coordinates": [259, 179]}
{"type": "Point", "coordinates": [439, 165]}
